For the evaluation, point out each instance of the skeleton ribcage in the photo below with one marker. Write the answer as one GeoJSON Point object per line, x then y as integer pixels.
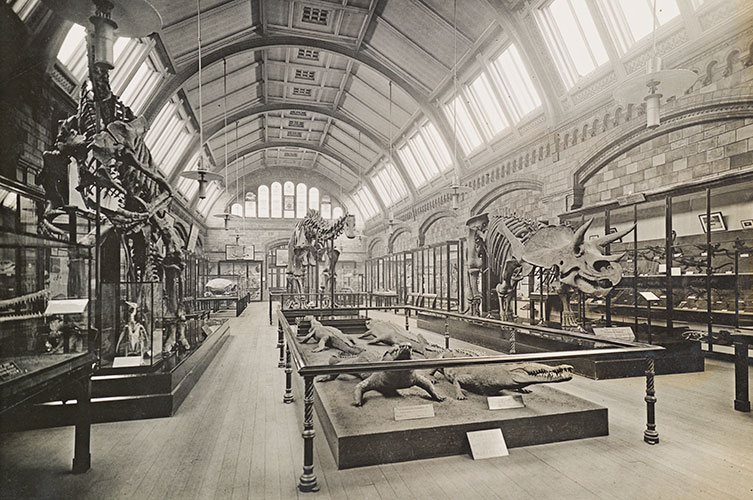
{"type": "Point", "coordinates": [497, 245]}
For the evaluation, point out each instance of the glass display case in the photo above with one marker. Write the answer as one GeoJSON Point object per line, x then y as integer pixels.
{"type": "Point", "coordinates": [692, 248]}
{"type": "Point", "coordinates": [45, 320]}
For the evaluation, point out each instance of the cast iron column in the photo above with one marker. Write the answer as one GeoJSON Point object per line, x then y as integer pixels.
{"type": "Point", "coordinates": [307, 481]}
{"type": "Point", "coordinates": [742, 403]}
{"type": "Point", "coordinates": [280, 345]}
{"type": "Point", "coordinates": [288, 398]}
{"type": "Point", "coordinates": [81, 455]}
{"type": "Point", "coordinates": [650, 435]}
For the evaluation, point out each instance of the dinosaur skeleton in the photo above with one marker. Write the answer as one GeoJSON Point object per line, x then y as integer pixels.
{"type": "Point", "coordinates": [515, 247]}
{"type": "Point", "coordinates": [312, 241]}
{"type": "Point", "coordinates": [104, 140]}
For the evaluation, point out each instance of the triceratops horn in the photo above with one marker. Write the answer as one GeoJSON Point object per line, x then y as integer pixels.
{"type": "Point", "coordinates": [605, 240]}
{"type": "Point", "coordinates": [580, 233]}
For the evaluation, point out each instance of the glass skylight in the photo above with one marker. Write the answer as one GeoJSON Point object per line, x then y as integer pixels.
{"type": "Point", "coordinates": [365, 202]}
{"type": "Point", "coordinates": [631, 20]}
{"type": "Point", "coordinates": [168, 137]}
{"type": "Point", "coordinates": [213, 192]}
{"type": "Point", "coordinates": [437, 146]}
{"type": "Point", "coordinates": [417, 177]}
{"type": "Point", "coordinates": [487, 106]}
{"type": "Point", "coordinates": [72, 53]}
{"type": "Point", "coordinates": [189, 187]}
{"type": "Point", "coordinates": [511, 76]}
{"type": "Point", "coordinates": [573, 39]}
{"type": "Point", "coordinates": [23, 8]}
{"type": "Point", "coordinates": [467, 133]}
{"type": "Point", "coordinates": [389, 185]}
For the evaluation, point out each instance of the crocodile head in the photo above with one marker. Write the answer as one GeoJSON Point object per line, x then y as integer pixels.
{"type": "Point", "coordinates": [398, 352]}
{"type": "Point", "coordinates": [536, 373]}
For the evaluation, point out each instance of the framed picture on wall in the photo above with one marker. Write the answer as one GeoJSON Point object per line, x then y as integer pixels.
{"type": "Point", "coordinates": [715, 224]}
{"type": "Point", "coordinates": [281, 257]}
{"type": "Point", "coordinates": [249, 252]}
{"type": "Point", "coordinates": [234, 252]}
{"type": "Point", "coordinates": [747, 223]}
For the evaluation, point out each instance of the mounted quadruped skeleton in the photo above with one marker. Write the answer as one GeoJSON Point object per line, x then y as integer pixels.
{"type": "Point", "coordinates": [312, 241]}
{"type": "Point", "coordinates": [515, 247]}
{"type": "Point", "coordinates": [105, 142]}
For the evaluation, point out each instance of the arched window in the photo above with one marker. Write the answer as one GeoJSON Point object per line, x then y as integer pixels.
{"type": "Point", "coordinates": [314, 198]}
{"type": "Point", "coordinates": [289, 200]}
{"type": "Point", "coordinates": [263, 201]}
{"type": "Point", "coordinates": [250, 205]}
{"type": "Point", "coordinates": [276, 201]}
{"type": "Point", "coordinates": [337, 212]}
{"type": "Point", "coordinates": [236, 209]}
{"type": "Point", "coordinates": [300, 200]}
{"type": "Point", "coordinates": [326, 207]}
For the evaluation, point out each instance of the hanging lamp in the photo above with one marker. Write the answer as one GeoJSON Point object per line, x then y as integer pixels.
{"type": "Point", "coordinates": [201, 174]}
{"type": "Point", "coordinates": [227, 215]}
{"type": "Point", "coordinates": [655, 84]}
{"type": "Point", "coordinates": [455, 188]}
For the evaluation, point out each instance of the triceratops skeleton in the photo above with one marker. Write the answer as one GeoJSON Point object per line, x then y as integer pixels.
{"type": "Point", "coordinates": [515, 247]}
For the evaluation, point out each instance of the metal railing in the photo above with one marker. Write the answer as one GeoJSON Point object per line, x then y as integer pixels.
{"type": "Point", "coordinates": [294, 355]}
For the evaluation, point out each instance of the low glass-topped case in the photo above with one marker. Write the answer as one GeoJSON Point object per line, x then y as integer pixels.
{"type": "Point", "coordinates": [45, 309]}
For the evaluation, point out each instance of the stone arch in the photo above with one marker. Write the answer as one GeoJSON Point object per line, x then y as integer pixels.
{"type": "Point", "coordinates": [275, 243]}
{"type": "Point", "coordinates": [374, 242]}
{"type": "Point", "coordinates": [430, 220]}
{"type": "Point", "coordinates": [631, 135]}
{"type": "Point", "coordinates": [488, 196]}
{"type": "Point", "coordinates": [399, 230]}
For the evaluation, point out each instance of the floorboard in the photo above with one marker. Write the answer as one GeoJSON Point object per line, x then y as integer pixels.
{"type": "Point", "coordinates": [233, 438]}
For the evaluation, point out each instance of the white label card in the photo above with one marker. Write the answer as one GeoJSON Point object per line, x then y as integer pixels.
{"type": "Point", "coordinates": [487, 444]}
{"type": "Point", "coordinates": [413, 412]}
{"type": "Point", "coordinates": [616, 332]}
{"type": "Point", "coordinates": [505, 402]}
{"type": "Point", "coordinates": [649, 296]}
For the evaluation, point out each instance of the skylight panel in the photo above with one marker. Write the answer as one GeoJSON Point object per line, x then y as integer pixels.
{"type": "Point", "coordinates": [188, 187]}
{"type": "Point", "coordinates": [632, 20]}
{"type": "Point", "coordinates": [72, 53]}
{"type": "Point", "coordinates": [487, 106]}
{"type": "Point", "coordinates": [437, 146]}
{"type": "Point", "coordinates": [414, 171]}
{"type": "Point", "coordinates": [382, 191]}
{"type": "Point", "coordinates": [143, 84]}
{"type": "Point", "coordinates": [396, 180]}
{"type": "Point", "coordinates": [424, 157]}
{"type": "Point", "coordinates": [467, 133]}
{"type": "Point", "coordinates": [359, 203]}
{"type": "Point", "coordinates": [513, 78]}
{"type": "Point", "coordinates": [573, 39]}
{"type": "Point", "coordinates": [175, 152]}
{"type": "Point", "coordinates": [203, 206]}
{"type": "Point", "coordinates": [24, 8]}
{"type": "Point", "coordinates": [369, 200]}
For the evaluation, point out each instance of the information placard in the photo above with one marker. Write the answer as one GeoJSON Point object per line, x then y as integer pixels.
{"type": "Point", "coordinates": [487, 444]}
{"type": "Point", "coordinates": [413, 412]}
{"type": "Point", "coordinates": [616, 332]}
{"type": "Point", "coordinates": [650, 296]}
{"type": "Point", "coordinates": [505, 402]}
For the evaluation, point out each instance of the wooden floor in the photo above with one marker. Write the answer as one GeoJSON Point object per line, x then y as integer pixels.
{"type": "Point", "coordinates": [233, 438]}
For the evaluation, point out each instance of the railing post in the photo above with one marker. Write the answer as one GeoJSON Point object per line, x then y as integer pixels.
{"type": "Point", "coordinates": [280, 345]}
{"type": "Point", "coordinates": [270, 309]}
{"type": "Point", "coordinates": [288, 398]}
{"type": "Point", "coordinates": [82, 458]}
{"type": "Point", "coordinates": [407, 315]}
{"type": "Point", "coordinates": [307, 481]}
{"type": "Point", "coordinates": [513, 340]}
{"type": "Point", "coordinates": [446, 333]}
{"type": "Point", "coordinates": [650, 435]}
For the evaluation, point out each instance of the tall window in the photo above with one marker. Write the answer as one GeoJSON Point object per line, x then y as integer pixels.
{"type": "Point", "coordinates": [573, 39]}
{"type": "Point", "coordinates": [631, 20]}
{"type": "Point", "coordinates": [510, 75]}
{"type": "Point", "coordinates": [300, 200]}
{"type": "Point", "coordinates": [337, 212]}
{"type": "Point", "coordinates": [487, 106]}
{"type": "Point", "coordinates": [276, 201]}
{"type": "Point", "coordinates": [289, 200]}
{"type": "Point", "coordinates": [237, 209]}
{"type": "Point", "coordinates": [262, 201]}
{"type": "Point", "coordinates": [250, 205]}
{"type": "Point", "coordinates": [314, 199]}
{"type": "Point", "coordinates": [468, 135]}
{"type": "Point", "coordinates": [326, 207]}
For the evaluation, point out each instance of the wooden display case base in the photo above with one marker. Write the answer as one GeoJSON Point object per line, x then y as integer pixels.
{"type": "Point", "coordinates": [127, 396]}
{"type": "Point", "coordinates": [370, 435]}
{"type": "Point", "coordinates": [680, 356]}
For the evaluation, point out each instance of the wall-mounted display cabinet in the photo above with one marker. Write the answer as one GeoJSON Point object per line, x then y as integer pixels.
{"type": "Point", "coordinates": [691, 247]}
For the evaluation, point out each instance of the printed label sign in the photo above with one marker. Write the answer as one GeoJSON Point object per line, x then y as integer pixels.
{"type": "Point", "coordinates": [413, 412]}
{"type": "Point", "coordinates": [505, 402]}
{"type": "Point", "coordinates": [616, 332]}
{"type": "Point", "coordinates": [487, 444]}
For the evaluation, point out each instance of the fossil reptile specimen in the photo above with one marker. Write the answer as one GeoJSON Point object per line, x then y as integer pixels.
{"type": "Point", "coordinates": [389, 382]}
{"type": "Point", "coordinates": [329, 336]}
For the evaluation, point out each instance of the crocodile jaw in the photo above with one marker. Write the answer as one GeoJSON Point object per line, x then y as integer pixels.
{"type": "Point", "coordinates": [537, 373]}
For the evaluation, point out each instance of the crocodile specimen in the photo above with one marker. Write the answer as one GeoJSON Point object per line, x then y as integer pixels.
{"type": "Point", "coordinates": [390, 381]}
{"type": "Point", "coordinates": [515, 247]}
{"type": "Point", "coordinates": [388, 333]}
{"type": "Point", "coordinates": [364, 357]}
{"type": "Point", "coordinates": [329, 336]}
{"type": "Point", "coordinates": [312, 241]}
{"type": "Point", "coordinates": [490, 380]}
